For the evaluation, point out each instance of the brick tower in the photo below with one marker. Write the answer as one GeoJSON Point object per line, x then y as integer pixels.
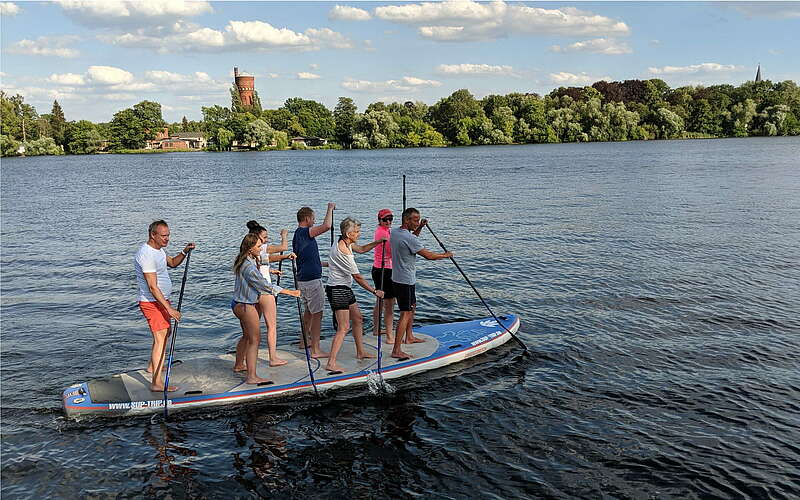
{"type": "Point", "coordinates": [246, 85]}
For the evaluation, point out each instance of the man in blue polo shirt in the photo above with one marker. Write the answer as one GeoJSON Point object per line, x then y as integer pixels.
{"type": "Point", "coordinates": [309, 272]}
{"type": "Point", "coordinates": [405, 247]}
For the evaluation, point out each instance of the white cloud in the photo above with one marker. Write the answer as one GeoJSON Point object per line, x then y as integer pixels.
{"type": "Point", "coordinates": [345, 13]}
{"type": "Point", "coordinates": [467, 20]}
{"type": "Point", "coordinates": [695, 68]}
{"type": "Point", "coordinates": [773, 10]}
{"type": "Point", "coordinates": [67, 79]}
{"type": "Point", "coordinates": [118, 97]}
{"type": "Point", "coordinates": [95, 75]}
{"type": "Point", "coordinates": [44, 95]}
{"type": "Point", "coordinates": [108, 75]}
{"type": "Point", "coordinates": [264, 34]}
{"type": "Point", "coordinates": [407, 83]}
{"type": "Point", "coordinates": [160, 76]}
{"type": "Point", "coordinates": [237, 35]}
{"type": "Point", "coordinates": [564, 78]}
{"type": "Point", "coordinates": [117, 13]}
{"type": "Point", "coordinates": [313, 66]}
{"type": "Point", "coordinates": [608, 46]}
{"type": "Point", "coordinates": [46, 46]}
{"type": "Point", "coordinates": [474, 70]}
{"type": "Point", "coordinates": [9, 9]}
{"type": "Point", "coordinates": [307, 76]}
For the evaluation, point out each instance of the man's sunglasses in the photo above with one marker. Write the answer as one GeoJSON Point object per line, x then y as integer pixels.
{"type": "Point", "coordinates": [387, 219]}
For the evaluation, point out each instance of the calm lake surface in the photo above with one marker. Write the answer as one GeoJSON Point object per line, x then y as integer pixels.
{"type": "Point", "coordinates": [658, 284]}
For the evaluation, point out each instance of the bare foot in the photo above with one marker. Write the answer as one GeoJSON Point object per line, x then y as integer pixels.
{"type": "Point", "coordinates": [239, 369]}
{"type": "Point", "coordinates": [171, 388]}
{"type": "Point", "coordinates": [389, 340]}
{"type": "Point", "coordinates": [321, 355]}
{"type": "Point", "coordinates": [256, 380]}
{"type": "Point", "coordinates": [365, 355]}
{"type": "Point", "coordinates": [333, 367]}
{"type": "Point", "coordinates": [277, 362]}
{"type": "Point", "coordinates": [400, 355]}
{"type": "Point", "coordinates": [413, 340]}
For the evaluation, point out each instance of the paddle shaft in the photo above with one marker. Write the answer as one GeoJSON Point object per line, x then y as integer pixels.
{"type": "Point", "coordinates": [303, 332]}
{"type": "Point", "coordinates": [175, 332]}
{"type": "Point", "coordinates": [404, 193]}
{"type": "Point", "coordinates": [476, 290]}
{"type": "Point", "coordinates": [380, 303]}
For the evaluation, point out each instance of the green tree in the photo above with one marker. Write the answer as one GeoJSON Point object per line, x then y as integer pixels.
{"type": "Point", "coordinates": [150, 119]}
{"type": "Point", "coordinates": [82, 137]}
{"type": "Point", "coordinates": [345, 117]}
{"type": "Point", "coordinates": [315, 119]}
{"type": "Point", "coordinates": [8, 146]}
{"type": "Point", "coordinates": [215, 118]}
{"type": "Point", "coordinates": [279, 119]}
{"type": "Point", "coordinates": [58, 123]}
{"type": "Point", "coordinates": [260, 134]}
{"type": "Point", "coordinates": [42, 146]}
{"type": "Point", "coordinates": [127, 130]}
{"type": "Point", "coordinates": [504, 120]}
{"type": "Point", "coordinates": [223, 139]}
{"type": "Point", "coordinates": [741, 115]}
{"type": "Point", "coordinates": [448, 114]}
{"type": "Point", "coordinates": [668, 124]}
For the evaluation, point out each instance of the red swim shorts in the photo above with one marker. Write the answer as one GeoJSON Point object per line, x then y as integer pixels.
{"type": "Point", "coordinates": [156, 315]}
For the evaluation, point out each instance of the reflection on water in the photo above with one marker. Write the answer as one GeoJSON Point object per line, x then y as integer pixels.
{"type": "Point", "coordinates": [657, 284]}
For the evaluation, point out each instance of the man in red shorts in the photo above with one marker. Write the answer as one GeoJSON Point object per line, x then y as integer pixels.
{"type": "Point", "coordinates": [151, 262]}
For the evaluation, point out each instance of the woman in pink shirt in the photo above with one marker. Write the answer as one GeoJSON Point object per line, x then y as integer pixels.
{"type": "Point", "coordinates": [382, 267]}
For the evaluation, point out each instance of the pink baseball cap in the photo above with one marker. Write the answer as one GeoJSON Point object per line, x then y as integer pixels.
{"type": "Point", "coordinates": [384, 212]}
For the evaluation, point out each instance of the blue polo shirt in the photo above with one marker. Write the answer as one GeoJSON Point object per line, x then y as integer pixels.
{"type": "Point", "coordinates": [309, 266]}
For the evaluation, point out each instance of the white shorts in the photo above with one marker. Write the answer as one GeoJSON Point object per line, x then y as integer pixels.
{"type": "Point", "coordinates": [313, 295]}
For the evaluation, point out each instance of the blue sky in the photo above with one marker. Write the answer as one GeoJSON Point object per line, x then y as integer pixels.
{"type": "Point", "coordinates": [98, 57]}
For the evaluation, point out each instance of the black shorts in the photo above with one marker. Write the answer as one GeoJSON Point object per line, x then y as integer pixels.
{"type": "Point", "coordinates": [406, 296]}
{"type": "Point", "coordinates": [340, 297]}
{"type": "Point", "coordinates": [388, 289]}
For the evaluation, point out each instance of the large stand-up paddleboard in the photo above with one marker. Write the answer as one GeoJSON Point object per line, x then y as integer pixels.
{"type": "Point", "coordinates": [210, 381]}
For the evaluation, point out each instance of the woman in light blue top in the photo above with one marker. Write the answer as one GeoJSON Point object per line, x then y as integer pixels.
{"type": "Point", "coordinates": [250, 290]}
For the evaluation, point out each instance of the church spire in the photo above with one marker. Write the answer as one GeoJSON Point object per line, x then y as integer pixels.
{"type": "Point", "coordinates": [758, 73]}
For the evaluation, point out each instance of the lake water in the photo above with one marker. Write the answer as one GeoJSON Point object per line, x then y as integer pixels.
{"type": "Point", "coordinates": [658, 283]}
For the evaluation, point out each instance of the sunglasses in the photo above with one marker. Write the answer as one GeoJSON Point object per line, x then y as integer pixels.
{"type": "Point", "coordinates": [387, 219]}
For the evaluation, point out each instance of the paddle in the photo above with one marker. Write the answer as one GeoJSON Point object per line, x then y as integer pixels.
{"type": "Point", "coordinates": [303, 332]}
{"type": "Point", "coordinates": [404, 193]}
{"type": "Point", "coordinates": [334, 322]}
{"type": "Point", "coordinates": [175, 332]}
{"type": "Point", "coordinates": [476, 290]}
{"type": "Point", "coordinates": [380, 306]}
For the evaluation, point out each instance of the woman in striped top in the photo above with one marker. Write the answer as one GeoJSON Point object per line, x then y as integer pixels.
{"type": "Point", "coordinates": [250, 294]}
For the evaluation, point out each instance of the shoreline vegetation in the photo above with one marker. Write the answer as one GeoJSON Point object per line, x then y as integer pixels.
{"type": "Point", "coordinates": [602, 112]}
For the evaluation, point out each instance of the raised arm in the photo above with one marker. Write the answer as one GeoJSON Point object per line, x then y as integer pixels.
{"type": "Point", "coordinates": [279, 248]}
{"type": "Point", "coordinates": [326, 224]}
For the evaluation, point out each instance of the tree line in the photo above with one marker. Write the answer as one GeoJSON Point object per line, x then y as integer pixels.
{"type": "Point", "coordinates": [604, 111]}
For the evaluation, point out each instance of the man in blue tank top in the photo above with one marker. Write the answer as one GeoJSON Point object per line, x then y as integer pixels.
{"type": "Point", "coordinates": [309, 272]}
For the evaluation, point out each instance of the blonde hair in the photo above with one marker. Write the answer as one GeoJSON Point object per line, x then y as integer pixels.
{"type": "Point", "coordinates": [248, 242]}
